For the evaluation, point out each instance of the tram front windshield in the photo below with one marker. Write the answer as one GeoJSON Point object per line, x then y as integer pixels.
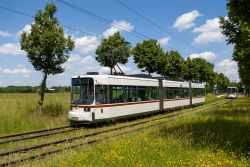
{"type": "Point", "coordinates": [82, 91]}
{"type": "Point", "coordinates": [231, 90]}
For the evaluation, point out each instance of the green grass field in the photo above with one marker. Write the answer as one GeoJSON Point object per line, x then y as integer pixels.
{"type": "Point", "coordinates": [20, 112]}
{"type": "Point", "coordinates": [218, 137]}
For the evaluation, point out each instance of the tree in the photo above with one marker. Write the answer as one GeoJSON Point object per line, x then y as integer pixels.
{"type": "Point", "coordinates": [192, 70]}
{"type": "Point", "coordinates": [205, 69]}
{"type": "Point", "coordinates": [112, 51]}
{"type": "Point", "coordinates": [47, 48]}
{"type": "Point", "coordinates": [221, 81]}
{"type": "Point", "coordinates": [237, 29]}
{"type": "Point", "coordinates": [174, 65]}
{"type": "Point", "coordinates": [148, 55]}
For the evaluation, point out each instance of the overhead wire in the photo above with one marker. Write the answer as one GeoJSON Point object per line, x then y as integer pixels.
{"type": "Point", "coordinates": [107, 21]}
{"type": "Point", "coordinates": [93, 15]}
{"type": "Point", "coordinates": [66, 27]}
{"type": "Point", "coordinates": [156, 25]}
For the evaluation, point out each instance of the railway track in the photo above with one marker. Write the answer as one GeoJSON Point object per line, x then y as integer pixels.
{"type": "Point", "coordinates": [96, 135]}
{"type": "Point", "coordinates": [35, 134]}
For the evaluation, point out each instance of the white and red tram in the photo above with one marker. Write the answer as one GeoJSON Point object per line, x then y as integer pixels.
{"type": "Point", "coordinates": [104, 97]}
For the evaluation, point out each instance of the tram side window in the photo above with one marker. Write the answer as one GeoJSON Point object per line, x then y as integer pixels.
{"type": "Point", "coordinates": [172, 92]}
{"type": "Point", "coordinates": [194, 92]}
{"type": "Point", "coordinates": [116, 94]}
{"type": "Point", "coordinates": [184, 92]}
{"type": "Point", "coordinates": [198, 92]}
{"type": "Point", "coordinates": [101, 94]}
{"type": "Point", "coordinates": [120, 94]}
{"type": "Point", "coordinates": [151, 93]}
{"type": "Point", "coordinates": [130, 93]}
{"type": "Point", "coordinates": [202, 92]}
{"type": "Point", "coordinates": [168, 93]}
{"type": "Point", "coordinates": [141, 91]}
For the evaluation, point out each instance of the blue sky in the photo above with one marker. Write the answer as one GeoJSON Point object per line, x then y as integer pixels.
{"type": "Point", "coordinates": [194, 22]}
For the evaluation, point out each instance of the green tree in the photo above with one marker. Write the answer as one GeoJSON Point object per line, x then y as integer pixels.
{"type": "Point", "coordinates": [221, 81]}
{"type": "Point", "coordinates": [237, 29]}
{"type": "Point", "coordinates": [205, 69]}
{"type": "Point", "coordinates": [148, 56]}
{"type": "Point", "coordinates": [112, 51]}
{"type": "Point", "coordinates": [174, 65]}
{"type": "Point", "coordinates": [191, 72]}
{"type": "Point", "coordinates": [47, 48]}
{"type": "Point", "coordinates": [225, 81]}
{"type": "Point", "coordinates": [199, 69]}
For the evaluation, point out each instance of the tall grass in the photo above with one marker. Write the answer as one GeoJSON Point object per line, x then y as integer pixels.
{"type": "Point", "coordinates": [218, 137]}
{"type": "Point", "coordinates": [20, 112]}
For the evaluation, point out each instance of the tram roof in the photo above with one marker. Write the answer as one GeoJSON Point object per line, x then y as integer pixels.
{"type": "Point", "coordinates": [135, 78]}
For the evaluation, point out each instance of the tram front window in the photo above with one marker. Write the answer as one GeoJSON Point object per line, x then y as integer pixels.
{"type": "Point", "coordinates": [82, 91]}
{"type": "Point", "coordinates": [231, 90]}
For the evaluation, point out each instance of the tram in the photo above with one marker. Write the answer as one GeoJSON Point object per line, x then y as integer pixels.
{"type": "Point", "coordinates": [96, 98]}
{"type": "Point", "coordinates": [232, 92]}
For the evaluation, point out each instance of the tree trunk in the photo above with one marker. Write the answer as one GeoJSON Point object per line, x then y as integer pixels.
{"type": "Point", "coordinates": [42, 88]}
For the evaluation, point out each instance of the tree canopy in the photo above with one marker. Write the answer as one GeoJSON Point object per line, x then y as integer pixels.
{"type": "Point", "coordinates": [148, 56]}
{"type": "Point", "coordinates": [191, 70]}
{"type": "Point", "coordinates": [112, 51]}
{"type": "Point", "coordinates": [46, 46]}
{"type": "Point", "coordinates": [174, 65]}
{"type": "Point", "coordinates": [236, 26]}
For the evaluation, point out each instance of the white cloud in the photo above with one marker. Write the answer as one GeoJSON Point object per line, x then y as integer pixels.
{"type": "Point", "coordinates": [27, 29]}
{"type": "Point", "coordinates": [186, 20]}
{"type": "Point", "coordinates": [228, 68]}
{"type": "Point", "coordinates": [104, 70]}
{"type": "Point", "coordinates": [26, 75]}
{"type": "Point", "coordinates": [209, 32]}
{"type": "Point", "coordinates": [80, 65]}
{"type": "Point", "coordinates": [209, 56]}
{"type": "Point", "coordinates": [72, 60]}
{"type": "Point", "coordinates": [20, 69]}
{"type": "Point", "coordinates": [116, 26]}
{"type": "Point", "coordinates": [164, 41]}
{"type": "Point", "coordinates": [4, 34]}
{"type": "Point", "coordinates": [11, 49]}
{"type": "Point", "coordinates": [86, 44]}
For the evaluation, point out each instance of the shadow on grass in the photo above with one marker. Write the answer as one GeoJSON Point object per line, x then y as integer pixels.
{"type": "Point", "coordinates": [231, 135]}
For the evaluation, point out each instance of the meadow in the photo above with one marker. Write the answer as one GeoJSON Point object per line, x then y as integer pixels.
{"type": "Point", "coordinates": [218, 137]}
{"type": "Point", "coordinates": [215, 137]}
{"type": "Point", "coordinates": [19, 112]}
